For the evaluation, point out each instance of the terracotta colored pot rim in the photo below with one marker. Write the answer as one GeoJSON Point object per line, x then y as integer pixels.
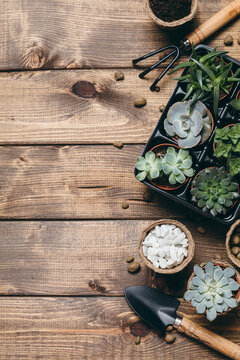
{"type": "Point", "coordinates": [211, 167]}
{"type": "Point", "coordinates": [167, 187]}
{"type": "Point", "coordinates": [208, 136]}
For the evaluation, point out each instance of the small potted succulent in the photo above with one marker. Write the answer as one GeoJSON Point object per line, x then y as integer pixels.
{"type": "Point", "coordinates": [165, 167]}
{"type": "Point", "coordinates": [188, 125]}
{"type": "Point", "coordinates": [213, 288]}
{"type": "Point", "coordinates": [227, 147]}
{"type": "Point", "coordinates": [214, 191]}
{"type": "Point", "coordinates": [209, 78]}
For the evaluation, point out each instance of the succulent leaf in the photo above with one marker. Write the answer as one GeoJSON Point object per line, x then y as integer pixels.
{"type": "Point", "coordinates": [198, 271]}
{"type": "Point", "coordinates": [201, 307]}
{"type": "Point", "coordinates": [211, 314]}
{"type": "Point", "coordinates": [210, 290]}
{"type": "Point", "coordinates": [232, 303]}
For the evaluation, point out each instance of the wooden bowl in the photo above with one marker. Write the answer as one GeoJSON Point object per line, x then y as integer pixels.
{"type": "Point", "coordinates": [186, 260]}
{"type": "Point", "coordinates": [232, 257]}
{"type": "Point", "coordinates": [221, 263]}
{"type": "Point", "coordinates": [173, 24]}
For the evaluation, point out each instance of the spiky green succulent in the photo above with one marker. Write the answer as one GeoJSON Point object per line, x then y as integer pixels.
{"type": "Point", "coordinates": [211, 290]}
{"type": "Point", "coordinates": [190, 125]}
{"type": "Point", "coordinates": [214, 191]}
{"type": "Point", "coordinates": [149, 166]}
{"type": "Point", "coordinates": [177, 165]}
{"type": "Point", "coordinates": [208, 76]}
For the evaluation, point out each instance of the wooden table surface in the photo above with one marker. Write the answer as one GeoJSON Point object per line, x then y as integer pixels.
{"type": "Point", "coordinates": [64, 234]}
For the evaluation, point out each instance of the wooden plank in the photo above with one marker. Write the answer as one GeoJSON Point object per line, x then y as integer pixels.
{"type": "Point", "coordinates": [92, 328]}
{"type": "Point", "coordinates": [87, 257]}
{"type": "Point", "coordinates": [41, 107]}
{"type": "Point", "coordinates": [83, 34]}
{"type": "Point", "coordinates": [75, 182]}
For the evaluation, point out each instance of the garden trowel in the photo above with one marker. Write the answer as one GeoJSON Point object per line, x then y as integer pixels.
{"type": "Point", "coordinates": [159, 311]}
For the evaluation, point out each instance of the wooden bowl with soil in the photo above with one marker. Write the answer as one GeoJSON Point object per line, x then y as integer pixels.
{"type": "Point", "coordinates": [222, 264]}
{"type": "Point", "coordinates": [186, 260]}
{"type": "Point", "coordinates": [234, 230]}
{"type": "Point", "coordinates": [171, 15]}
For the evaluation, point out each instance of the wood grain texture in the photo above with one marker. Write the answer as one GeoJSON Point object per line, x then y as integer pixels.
{"type": "Point", "coordinates": [88, 257]}
{"type": "Point", "coordinates": [91, 328]}
{"type": "Point", "coordinates": [83, 34]}
{"type": "Point", "coordinates": [75, 182]}
{"type": "Point", "coordinates": [70, 107]}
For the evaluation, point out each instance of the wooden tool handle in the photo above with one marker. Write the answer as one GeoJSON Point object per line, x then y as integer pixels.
{"type": "Point", "coordinates": [214, 23]}
{"type": "Point", "coordinates": [209, 338]}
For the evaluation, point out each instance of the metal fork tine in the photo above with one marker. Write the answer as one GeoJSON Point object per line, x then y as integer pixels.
{"type": "Point", "coordinates": [145, 72]}
{"type": "Point", "coordinates": [152, 87]}
{"type": "Point", "coordinates": [176, 50]}
{"type": "Point", "coordinates": [146, 56]}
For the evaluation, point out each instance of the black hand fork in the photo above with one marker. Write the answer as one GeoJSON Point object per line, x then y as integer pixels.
{"type": "Point", "coordinates": [175, 53]}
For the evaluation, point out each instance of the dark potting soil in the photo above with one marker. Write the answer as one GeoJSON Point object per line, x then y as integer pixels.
{"type": "Point", "coordinates": [170, 10]}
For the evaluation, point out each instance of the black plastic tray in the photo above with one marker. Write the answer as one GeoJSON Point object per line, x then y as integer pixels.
{"type": "Point", "coordinates": [202, 154]}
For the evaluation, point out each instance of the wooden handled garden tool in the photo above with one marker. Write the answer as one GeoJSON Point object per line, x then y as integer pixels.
{"type": "Point", "coordinates": [202, 32]}
{"type": "Point", "coordinates": [159, 311]}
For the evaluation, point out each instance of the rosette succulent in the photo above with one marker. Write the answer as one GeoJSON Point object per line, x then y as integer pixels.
{"type": "Point", "coordinates": [214, 191]}
{"type": "Point", "coordinates": [211, 290]}
{"type": "Point", "coordinates": [149, 167]}
{"type": "Point", "coordinates": [177, 165]}
{"type": "Point", "coordinates": [190, 125]}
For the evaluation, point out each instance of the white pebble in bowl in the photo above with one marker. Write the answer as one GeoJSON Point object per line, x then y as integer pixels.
{"type": "Point", "coordinates": [165, 246]}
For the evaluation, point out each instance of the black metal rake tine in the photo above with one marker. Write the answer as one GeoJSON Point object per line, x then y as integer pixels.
{"type": "Point", "coordinates": [154, 66]}
{"type": "Point", "coordinates": [146, 56]}
{"type": "Point", "coordinates": [153, 86]}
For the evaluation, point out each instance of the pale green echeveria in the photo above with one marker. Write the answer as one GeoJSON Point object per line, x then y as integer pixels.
{"type": "Point", "coordinates": [177, 165]}
{"type": "Point", "coordinates": [190, 125]}
{"type": "Point", "coordinates": [149, 166]}
{"type": "Point", "coordinates": [211, 290]}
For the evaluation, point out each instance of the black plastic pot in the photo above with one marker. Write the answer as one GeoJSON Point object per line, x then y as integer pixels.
{"type": "Point", "coordinates": [202, 154]}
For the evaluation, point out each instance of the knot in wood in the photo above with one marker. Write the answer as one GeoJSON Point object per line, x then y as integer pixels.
{"type": "Point", "coordinates": [35, 58]}
{"type": "Point", "coordinates": [84, 89]}
{"type": "Point", "coordinates": [139, 328]}
{"type": "Point", "coordinates": [94, 286]}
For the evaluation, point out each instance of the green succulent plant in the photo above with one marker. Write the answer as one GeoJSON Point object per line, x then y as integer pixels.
{"type": "Point", "coordinates": [149, 166]}
{"type": "Point", "coordinates": [177, 165]}
{"type": "Point", "coordinates": [227, 142]}
{"type": "Point", "coordinates": [208, 76]}
{"type": "Point", "coordinates": [190, 125]}
{"type": "Point", "coordinates": [235, 104]}
{"type": "Point", "coordinates": [214, 191]}
{"type": "Point", "coordinates": [211, 290]}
